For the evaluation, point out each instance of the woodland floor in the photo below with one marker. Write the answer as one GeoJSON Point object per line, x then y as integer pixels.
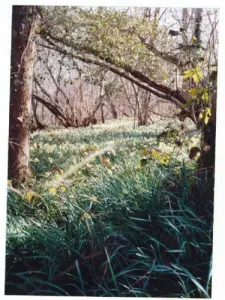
{"type": "Point", "coordinates": [104, 215]}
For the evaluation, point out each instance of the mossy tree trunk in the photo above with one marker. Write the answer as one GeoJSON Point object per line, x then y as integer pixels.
{"type": "Point", "coordinates": [22, 63]}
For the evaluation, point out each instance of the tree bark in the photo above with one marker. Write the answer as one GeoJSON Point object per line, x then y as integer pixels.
{"type": "Point", "coordinates": [102, 113]}
{"type": "Point", "coordinates": [37, 123]}
{"type": "Point", "coordinates": [207, 160]}
{"type": "Point", "coordinates": [113, 110]}
{"type": "Point", "coordinates": [22, 63]}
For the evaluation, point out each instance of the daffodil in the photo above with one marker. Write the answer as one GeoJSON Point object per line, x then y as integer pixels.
{"type": "Point", "coordinates": [29, 195]}
{"type": "Point", "coordinates": [63, 189]}
{"type": "Point", "coordinates": [49, 149]}
{"type": "Point", "coordinates": [86, 216]}
{"type": "Point", "coordinates": [52, 191]}
{"type": "Point", "coordinates": [94, 199]}
{"type": "Point", "coordinates": [164, 160]}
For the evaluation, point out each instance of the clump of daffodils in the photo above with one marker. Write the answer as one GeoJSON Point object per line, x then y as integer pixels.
{"type": "Point", "coordinates": [53, 191]}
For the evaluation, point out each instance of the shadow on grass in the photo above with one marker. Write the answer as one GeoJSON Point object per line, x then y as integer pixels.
{"type": "Point", "coordinates": [161, 252]}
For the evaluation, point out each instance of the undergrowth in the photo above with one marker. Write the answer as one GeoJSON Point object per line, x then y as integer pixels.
{"type": "Point", "coordinates": [114, 226]}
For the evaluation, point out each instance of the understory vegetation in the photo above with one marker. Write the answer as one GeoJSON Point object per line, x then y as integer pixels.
{"type": "Point", "coordinates": [110, 211]}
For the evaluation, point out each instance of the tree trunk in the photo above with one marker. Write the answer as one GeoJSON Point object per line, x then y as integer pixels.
{"type": "Point", "coordinates": [39, 125]}
{"type": "Point", "coordinates": [207, 160]}
{"type": "Point", "coordinates": [113, 110]}
{"type": "Point", "coordinates": [22, 63]}
{"type": "Point", "coordinates": [144, 112]}
{"type": "Point", "coordinates": [198, 25]}
{"type": "Point", "coordinates": [207, 168]}
{"type": "Point", "coordinates": [102, 113]}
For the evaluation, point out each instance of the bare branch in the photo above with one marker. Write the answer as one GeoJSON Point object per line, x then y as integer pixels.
{"type": "Point", "coordinates": [128, 73]}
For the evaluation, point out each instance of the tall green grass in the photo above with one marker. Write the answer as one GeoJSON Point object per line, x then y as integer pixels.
{"type": "Point", "coordinates": [118, 228]}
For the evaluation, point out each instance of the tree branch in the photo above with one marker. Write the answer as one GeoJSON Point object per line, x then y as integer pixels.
{"type": "Point", "coordinates": [53, 109]}
{"type": "Point", "coordinates": [126, 72]}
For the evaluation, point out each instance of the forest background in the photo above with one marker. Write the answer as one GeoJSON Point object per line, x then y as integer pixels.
{"type": "Point", "coordinates": [219, 204]}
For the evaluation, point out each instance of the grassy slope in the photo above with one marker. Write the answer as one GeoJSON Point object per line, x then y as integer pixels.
{"type": "Point", "coordinates": [101, 217]}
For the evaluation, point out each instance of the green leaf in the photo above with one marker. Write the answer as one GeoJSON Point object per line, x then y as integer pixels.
{"type": "Point", "coordinates": [190, 102]}
{"type": "Point", "coordinates": [194, 91]}
{"type": "Point", "coordinates": [188, 73]}
{"type": "Point", "coordinates": [196, 74]}
{"type": "Point", "coordinates": [199, 92]}
{"type": "Point", "coordinates": [205, 96]}
{"type": "Point", "coordinates": [205, 115]}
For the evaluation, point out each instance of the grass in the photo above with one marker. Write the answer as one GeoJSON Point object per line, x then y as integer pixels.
{"type": "Point", "coordinates": [120, 222]}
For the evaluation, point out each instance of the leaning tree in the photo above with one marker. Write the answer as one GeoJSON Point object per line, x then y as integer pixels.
{"type": "Point", "coordinates": [173, 65]}
{"type": "Point", "coordinates": [132, 46]}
